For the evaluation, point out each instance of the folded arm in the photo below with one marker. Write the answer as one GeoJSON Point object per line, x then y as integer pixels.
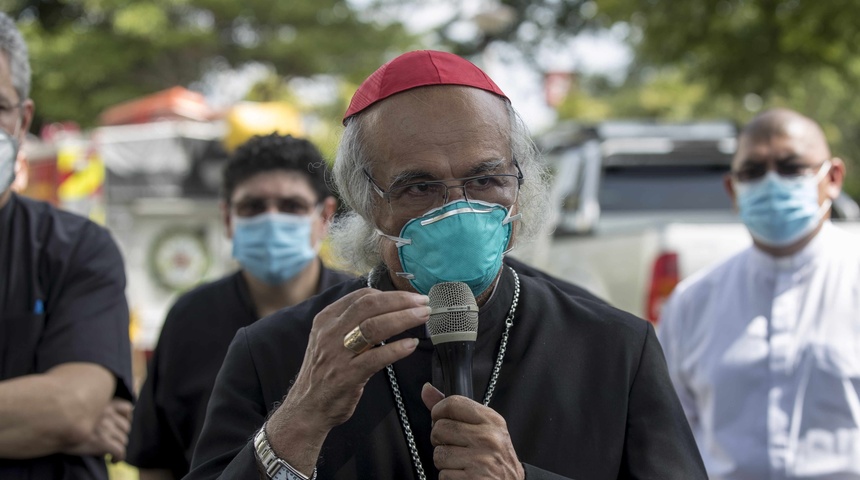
{"type": "Point", "coordinates": [52, 412]}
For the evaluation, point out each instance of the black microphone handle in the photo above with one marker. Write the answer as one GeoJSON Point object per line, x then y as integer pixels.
{"type": "Point", "coordinates": [455, 358]}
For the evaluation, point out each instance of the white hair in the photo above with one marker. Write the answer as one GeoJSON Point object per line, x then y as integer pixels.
{"type": "Point", "coordinates": [13, 45]}
{"type": "Point", "coordinates": [353, 234]}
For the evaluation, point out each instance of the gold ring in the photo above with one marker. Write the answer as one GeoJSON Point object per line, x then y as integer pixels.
{"type": "Point", "coordinates": [355, 341]}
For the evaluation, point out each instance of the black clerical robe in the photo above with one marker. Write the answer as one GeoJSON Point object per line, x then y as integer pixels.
{"type": "Point", "coordinates": [171, 406]}
{"type": "Point", "coordinates": [583, 388]}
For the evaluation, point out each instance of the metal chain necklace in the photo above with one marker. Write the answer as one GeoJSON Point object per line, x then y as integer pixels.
{"type": "Point", "coordinates": [491, 387]}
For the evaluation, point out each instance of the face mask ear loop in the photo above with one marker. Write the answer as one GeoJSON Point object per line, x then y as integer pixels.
{"type": "Point", "coordinates": [398, 242]}
{"type": "Point", "coordinates": [823, 171]}
{"type": "Point", "coordinates": [822, 210]}
{"type": "Point", "coordinates": [508, 218]}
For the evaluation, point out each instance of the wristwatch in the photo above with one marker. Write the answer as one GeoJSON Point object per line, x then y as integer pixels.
{"type": "Point", "coordinates": [276, 468]}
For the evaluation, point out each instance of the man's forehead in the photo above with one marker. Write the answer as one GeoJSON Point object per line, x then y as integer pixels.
{"type": "Point", "coordinates": [778, 147]}
{"type": "Point", "coordinates": [283, 181]}
{"type": "Point", "coordinates": [436, 128]}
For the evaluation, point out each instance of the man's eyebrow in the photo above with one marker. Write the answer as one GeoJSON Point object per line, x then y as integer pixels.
{"type": "Point", "coordinates": [409, 176]}
{"type": "Point", "coordinates": [483, 168]}
{"type": "Point", "coordinates": [489, 166]}
{"type": "Point", "coordinates": [791, 157]}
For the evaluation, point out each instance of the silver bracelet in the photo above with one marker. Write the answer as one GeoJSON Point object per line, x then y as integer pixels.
{"type": "Point", "coordinates": [276, 467]}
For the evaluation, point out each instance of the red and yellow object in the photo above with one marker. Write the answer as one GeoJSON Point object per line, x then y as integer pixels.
{"type": "Point", "coordinates": [244, 120]}
{"type": "Point", "coordinates": [81, 177]}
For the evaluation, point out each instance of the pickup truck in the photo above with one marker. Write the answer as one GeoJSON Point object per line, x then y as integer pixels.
{"type": "Point", "coordinates": [640, 206]}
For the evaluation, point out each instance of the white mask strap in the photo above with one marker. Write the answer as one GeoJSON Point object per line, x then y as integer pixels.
{"type": "Point", "coordinates": [822, 172]}
{"type": "Point", "coordinates": [398, 241]}
{"type": "Point", "coordinates": [508, 218]}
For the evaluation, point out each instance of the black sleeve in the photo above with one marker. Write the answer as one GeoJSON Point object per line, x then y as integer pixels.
{"type": "Point", "coordinates": [151, 442]}
{"type": "Point", "coordinates": [659, 442]}
{"type": "Point", "coordinates": [87, 314]}
{"type": "Point", "coordinates": [237, 402]}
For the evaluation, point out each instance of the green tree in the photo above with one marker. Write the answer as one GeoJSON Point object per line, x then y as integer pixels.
{"type": "Point", "coordinates": [90, 54]}
{"type": "Point", "coordinates": [765, 53]}
{"type": "Point", "coordinates": [529, 25]}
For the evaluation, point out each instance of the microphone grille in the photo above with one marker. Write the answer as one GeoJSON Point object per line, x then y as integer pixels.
{"type": "Point", "coordinates": [454, 313]}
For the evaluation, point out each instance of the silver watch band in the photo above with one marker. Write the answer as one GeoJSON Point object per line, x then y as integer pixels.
{"type": "Point", "coordinates": [276, 468]}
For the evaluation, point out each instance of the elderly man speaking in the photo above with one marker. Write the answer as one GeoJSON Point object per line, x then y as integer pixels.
{"type": "Point", "coordinates": [442, 178]}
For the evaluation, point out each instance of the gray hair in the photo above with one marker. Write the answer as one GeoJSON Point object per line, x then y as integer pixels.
{"type": "Point", "coordinates": [12, 43]}
{"type": "Point", "coordinates": [353, 234]}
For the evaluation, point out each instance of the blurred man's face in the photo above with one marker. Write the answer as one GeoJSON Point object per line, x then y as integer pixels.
{"type": "Point", "coordinates": [15, 112]}
{"type": "Point", "coordinates": [798, 152]}
{"type": "Point", "coordinates": [279, 191]}
{"type": "Point", "coordinates": [433, 133]}
{"type": "Point", "coordinates": [15, 116]}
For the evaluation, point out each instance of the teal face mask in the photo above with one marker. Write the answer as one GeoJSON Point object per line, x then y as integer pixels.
{"type": "Point", "coordinates": [273, 247]}
{"type": "Point", "coordinates": [462, 241]}
{"type": "Point", "coordinates": [779, 211]}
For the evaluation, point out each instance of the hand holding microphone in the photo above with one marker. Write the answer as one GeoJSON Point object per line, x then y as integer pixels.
{"type": "Point", "coordinates": [466, 436]}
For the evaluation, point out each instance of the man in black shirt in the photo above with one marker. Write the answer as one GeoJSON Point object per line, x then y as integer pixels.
{"type": "Point", "coordinates": [443, 180]}
{"type": "Point", "coordinates": [276, 207]}
{"type": "Point", "coordinates": [65, 362]}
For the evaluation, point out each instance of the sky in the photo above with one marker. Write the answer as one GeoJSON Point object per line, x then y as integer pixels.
{"type": "Point", "coordinates": [587, 54]}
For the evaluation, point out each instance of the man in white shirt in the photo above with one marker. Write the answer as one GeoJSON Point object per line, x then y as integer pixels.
{"type": "Point", "coordinates": [764, 349]}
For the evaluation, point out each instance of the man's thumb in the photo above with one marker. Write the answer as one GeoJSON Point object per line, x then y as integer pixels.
{"type": "Point", "coordinates": [431, 396]}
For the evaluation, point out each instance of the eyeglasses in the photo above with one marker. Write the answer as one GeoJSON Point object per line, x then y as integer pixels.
{"type": "Point", "coordinates": [754, 171]}
{"type": "Point", "coordinates": [253, 206]}
{"type": "Point", "coordinates": [413, 199]}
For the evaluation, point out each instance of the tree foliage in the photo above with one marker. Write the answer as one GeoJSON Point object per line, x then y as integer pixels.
{"type": "Point", "coordinates": [528, 25]}
{"type": "Point", "coordinates": [90, 54]}
{"type": "Point", "coordinates": [746, 55]}
{"type": "Point", "coordinates": [744, 46]}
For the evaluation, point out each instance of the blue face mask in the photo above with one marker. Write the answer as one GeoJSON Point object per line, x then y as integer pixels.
{"type": "Point", "coordinates": [779, 211]}
{"type": "Point", "coordinates": [457, 242]}
{"type": "Point", "coordinates": [273, 247]}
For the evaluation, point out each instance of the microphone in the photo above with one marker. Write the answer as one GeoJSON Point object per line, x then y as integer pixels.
{"type": "Point", "coordinates": [453, 328]}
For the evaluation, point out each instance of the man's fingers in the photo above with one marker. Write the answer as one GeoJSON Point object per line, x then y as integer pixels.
{"type": "Point", "coordinates": [116, 451]}
{"type": "Point", "coordinates": [373, 302]}
{"type": "Point", "coordinates": [382, 327]}
{"type": "Point", "coordinates": [461, 409]}
{"type": "Point", "coordinates": [452, 457]}
{"type": "Point", "coordinates": [378, 358]}
{"type": "Point", "coordinates": [336, 309]}
{"type": "Point", "coordinates": [378, 304]}
{"type": "Point", "coordinates": [450, 432]}
{"type": "Point", "coordinates": [122, 407]}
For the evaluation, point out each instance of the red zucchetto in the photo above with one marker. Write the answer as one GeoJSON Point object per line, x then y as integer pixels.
{"type": "Point", "coordinates": [420, 68]}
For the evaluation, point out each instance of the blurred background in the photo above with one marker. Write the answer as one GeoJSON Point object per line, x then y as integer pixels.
{"type": "Point", "coordinates": [138, 102]}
